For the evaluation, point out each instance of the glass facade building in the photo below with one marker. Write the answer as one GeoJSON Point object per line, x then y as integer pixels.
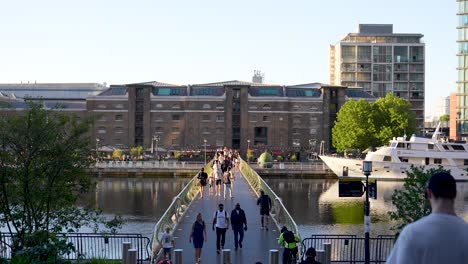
{"type": "Point", "coordinates": [462, 68]}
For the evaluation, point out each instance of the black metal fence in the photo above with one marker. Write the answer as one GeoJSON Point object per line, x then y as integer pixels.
{"type": "Point", "coordinates": [350, 248]}
{"type": "Point", "coordinates": [92, 246]}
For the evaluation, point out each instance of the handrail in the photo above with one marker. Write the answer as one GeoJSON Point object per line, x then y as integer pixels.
{"type": "Point", "coordinates": [175, 211]}
{"type": "Point", "coordinates": [279, 213]}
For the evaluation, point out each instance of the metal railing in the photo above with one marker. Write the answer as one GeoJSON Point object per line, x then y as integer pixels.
{"type": "Point", "coordinates": [350, 248]}
{"type": "Point", "coordinates": [279, 213]}
{"type": "Point", "coordinates": [92, 246]}
{"type": "Point", "coordinates": [175, 211]}
{"type": "Point", "coordinates": [317, 166]}
{"type": "Point", "coordinates": [148, 164]}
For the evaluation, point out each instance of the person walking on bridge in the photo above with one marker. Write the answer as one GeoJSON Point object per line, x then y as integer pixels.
{"type": "Point", "coordinates": [239, 225]}
{"type": "Point", "coordinates": [264, 202]}
{"type": "Point", "coordinates": [221, 222]}
{"type": "Point", "coordinates": [202, 177]}
{"type": "Point", "coordinates": [198, 234]}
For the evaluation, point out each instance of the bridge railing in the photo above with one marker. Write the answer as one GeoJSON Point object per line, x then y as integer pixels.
{"type": "Point", "coordinates": [175, 212]}
{"type": "Point", "coordinates": [279, 213]}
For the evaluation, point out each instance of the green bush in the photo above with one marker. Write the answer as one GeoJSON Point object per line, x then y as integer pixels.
{"type": "Point", "coordinates": [43, 247]}
{"type": "Point", "coordinates": [265, 160]}
{"type": "Point", "coordinates": [279, 158]}
{"type": "Point", "coordinates": [294, 157]}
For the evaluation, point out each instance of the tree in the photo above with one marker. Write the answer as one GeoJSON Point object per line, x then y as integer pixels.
{"type": "Point", "coordinates": [135, 152]}
{"type": "Point", "coordinates": [250, 154]}
{"type": "Point", "coordinates": [43, 162]}
{"type": "Point", "coordinates": [410, 202]}
{"type": "Point", "coordinates": [360, 124]}
{"type": "Point", "coordinates": [116, 154]}
{"type": "Point", "coordinates": [444, 119]}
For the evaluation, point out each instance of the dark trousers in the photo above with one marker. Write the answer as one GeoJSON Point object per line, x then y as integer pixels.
{"type": "Point", "coordinates": [238, 234]}
{"type": "Point", "coordinates": [287, 254]}
{"type": "Point", "coordinates": [220, 237]}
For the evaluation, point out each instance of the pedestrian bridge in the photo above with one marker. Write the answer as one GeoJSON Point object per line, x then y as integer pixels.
{"type": "Point", "coordinates": [182, 212]}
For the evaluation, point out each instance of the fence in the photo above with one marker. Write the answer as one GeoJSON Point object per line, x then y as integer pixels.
{"type": "Point", "coordinates": [92, 246]}
{"type": "Point", "coordinates": [317, 166]}
{"type": "Point", "coordinates": [149, 164]}
{"type": "Point", "coordinates": [176, 210]}
{"type": "Point", "coordinates": [350, 248]}
{"type": "Point", "coordinates": [279, 213]}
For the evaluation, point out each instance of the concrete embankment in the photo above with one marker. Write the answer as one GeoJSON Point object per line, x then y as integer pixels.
{"type": "Point", "coordinates": [309, 170]}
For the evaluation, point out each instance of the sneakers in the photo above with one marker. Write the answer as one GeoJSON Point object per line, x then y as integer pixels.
{"type": "Point", "coordinates": [240, 245]}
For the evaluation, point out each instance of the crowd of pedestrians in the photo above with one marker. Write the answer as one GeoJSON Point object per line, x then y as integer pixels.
{"type": "Point", "coordinates": [225, 171]}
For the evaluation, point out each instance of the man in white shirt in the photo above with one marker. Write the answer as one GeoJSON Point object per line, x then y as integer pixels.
{"type": "Point", "coordinates": [441, 237]}
{"type": "Point", "coordinates": [221, 222]}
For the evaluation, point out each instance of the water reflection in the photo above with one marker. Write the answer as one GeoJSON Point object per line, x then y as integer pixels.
{"type": "Point", "coordinates": [141, 201]}
{"type": "Point", "coordinates": [316, 207]}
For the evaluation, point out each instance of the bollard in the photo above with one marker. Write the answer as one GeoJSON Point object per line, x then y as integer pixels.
{"type": "Point", "coordinates": [274, 256]}
{"type": "Point", "coordinates": [321, 256]}
{"type": "Point", "coordinates": [226, 257]}
{"type": "Point", "coordinates": [132, 256]}
{"type": "Point", "coordinates": [178, 256]}
{"type": "Point", "coordinates": [327, 249]}
{"type": "Point", "coordinates": [125, 247]}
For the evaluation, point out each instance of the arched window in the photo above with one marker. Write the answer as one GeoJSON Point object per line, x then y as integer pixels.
{"type": "Point", "coordinates": [266, 107]}
{"type": "Point", "coordinates": [206, 106]}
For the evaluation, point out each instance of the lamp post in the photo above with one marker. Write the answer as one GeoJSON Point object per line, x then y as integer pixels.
{"type": "Point", "coordinates": [367, 169]}
{"type": "Point", "coordinates": [97, 151]}
{"type": "Point", "coordinates": [204, 141]}
{"type": "Point", "coordinates": [248, 148]}
{"type": "Point", "coordinates": [157, 141]}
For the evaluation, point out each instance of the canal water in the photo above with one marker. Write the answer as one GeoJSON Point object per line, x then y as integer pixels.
{"type": "Point", "coordinates": [314, 204]}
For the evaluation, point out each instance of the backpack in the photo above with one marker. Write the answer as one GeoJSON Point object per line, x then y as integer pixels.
{"type": "Point", "coordinates": [288, 236]}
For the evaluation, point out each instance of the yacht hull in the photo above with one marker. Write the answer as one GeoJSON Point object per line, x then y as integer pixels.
{"type": "Point", "coordinates": [381, 170]}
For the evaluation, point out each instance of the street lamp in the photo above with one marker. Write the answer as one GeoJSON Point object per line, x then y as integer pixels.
{"type": "Point", "coordinates": [97, 146]}
{"type": "Point", "coordinates": [248, 148]}
{"type": "Point", "coordinates": [157, 138]}
{"type": "Point", "coordinates": [367, 169]}
{"type": "Point", "coordinates": [204, 140]}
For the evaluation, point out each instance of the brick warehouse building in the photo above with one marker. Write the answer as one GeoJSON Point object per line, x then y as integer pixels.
{"type": "Point", "coordinates": [232, 114]}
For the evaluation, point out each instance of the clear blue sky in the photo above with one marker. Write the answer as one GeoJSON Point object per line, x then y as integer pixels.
{"type": "Point", "coordinates": [198, 41]}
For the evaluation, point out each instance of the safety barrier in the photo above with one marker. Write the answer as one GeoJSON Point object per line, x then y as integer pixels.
{"type": "Point", "coordinates": [279, 213]}
{"type": "Point", "coordinates": [175, 211]}
{"type": "Point", "coordinates": [91, 245]}
{"type": "Point", "coordinates": [350, 248]}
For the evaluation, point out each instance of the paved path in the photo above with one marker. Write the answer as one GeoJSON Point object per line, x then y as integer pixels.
{"type": "Point", "coordinates": [257, 242]}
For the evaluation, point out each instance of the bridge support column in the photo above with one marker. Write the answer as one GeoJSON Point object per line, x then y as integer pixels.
{"type": "Point", "coordinates": [327, 248]}
{"type": "Point", "coordinates": [321, 256]}
{"type": "Point", "coordinates": [273, 257]}
{"type": "Point", "coordinates": [178, 256]}
{"type": "Point", "coordinates": [132, 257]}
{"type": "Point", "coordinates": [125, 247]}
{"type": "Point", "coordinates": [226, 257]}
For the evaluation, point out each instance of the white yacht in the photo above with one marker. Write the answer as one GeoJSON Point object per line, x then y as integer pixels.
{"type": "Point", "coordinates": [391, 162]}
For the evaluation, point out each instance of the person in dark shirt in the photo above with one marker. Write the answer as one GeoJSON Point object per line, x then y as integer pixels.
{"type": "Point", "coordinates": [264, 202]}
{"type": "Point", "coordinates": [202, 180]}
{"type": "Point", "coordinates": [239, 225]}
{"type": "Point", "coordinates": [310, 256]}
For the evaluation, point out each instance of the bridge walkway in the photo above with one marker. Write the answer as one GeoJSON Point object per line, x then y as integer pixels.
{"type": "Point", "coordinates": [257, 241]}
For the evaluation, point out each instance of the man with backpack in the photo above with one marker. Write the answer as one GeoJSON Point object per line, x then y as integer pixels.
{"type": "Point", "coordinates": [221, 222]}
{"type": "Point", "coordinates": [290, 240]}
{"type": "Point", "coordinates": [264, 202]}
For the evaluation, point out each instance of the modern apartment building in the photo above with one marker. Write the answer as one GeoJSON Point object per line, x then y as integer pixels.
{"type": "Point", "coordinates": [461, 114]}
{"type": "Point", "coordinates": [382, 62]}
